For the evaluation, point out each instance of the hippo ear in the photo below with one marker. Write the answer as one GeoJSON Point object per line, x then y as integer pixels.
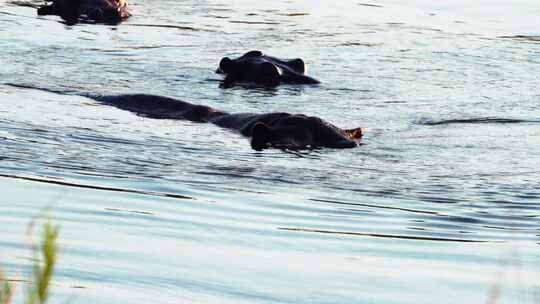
{"type": "Point", "coordinates": [356, 133]}
{"type": "Point", "coordinates": [261, 136]}
{"type": "Point", "coordinates": [252, 54]}
{"type": "Point", "coordinates": [226, 66]}
{"type": "Point", "coordinates": [298, 65]}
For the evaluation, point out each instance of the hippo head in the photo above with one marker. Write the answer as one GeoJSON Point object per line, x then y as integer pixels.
{"type": "Point", "coordinates": [255, 67]}
{"type": "Point", "coordinates": [106, 11]}
{"type": "Point", "coordinates": [73, 11]}
{"type": "Point", "coordinates": [301, 132]}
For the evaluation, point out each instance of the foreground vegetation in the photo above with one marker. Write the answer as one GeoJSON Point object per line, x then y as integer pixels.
{"type": "Point", "coordinates": [39, 279]}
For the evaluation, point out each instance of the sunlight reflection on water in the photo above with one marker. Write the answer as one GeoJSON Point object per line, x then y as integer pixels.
{"type": "Point", "coordinates": [442, 198]}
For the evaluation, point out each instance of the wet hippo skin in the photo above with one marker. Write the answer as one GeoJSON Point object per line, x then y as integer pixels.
{"type": "Point", "coordinates": [256, 67]}
{"type": "Point", "coordinates": [278, 130]}
{"type": "Point", "coordinates": [101, 11]}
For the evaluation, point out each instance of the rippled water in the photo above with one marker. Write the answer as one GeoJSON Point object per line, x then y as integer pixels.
{"type": "Point", "coordinates": [441, 202]}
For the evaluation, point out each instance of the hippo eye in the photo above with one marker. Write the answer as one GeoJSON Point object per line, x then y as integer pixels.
{"type": "Point", "coordinates": [253, 54]}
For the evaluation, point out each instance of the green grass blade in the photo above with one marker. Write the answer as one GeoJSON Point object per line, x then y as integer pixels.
{"type": "Point", "coordinates": [5, 290]}
{"type": "Point", "coordinates": [49, 250]}
{"type": "Point", "coordinates": [38, 291]}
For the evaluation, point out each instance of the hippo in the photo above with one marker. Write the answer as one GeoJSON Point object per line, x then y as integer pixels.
{"type": "Point", "coordinates": [258, 68]}
{"type": "Point", "coordinates": [289, 131]}
{"type": "Point", "coordinates": [270, 130]}
{"type": "Point", "coordinates": [99, 11]}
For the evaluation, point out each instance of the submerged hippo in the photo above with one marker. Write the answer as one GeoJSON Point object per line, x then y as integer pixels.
{"type": "Point", "coordinates": [102, 11]}
{"type": "Point", "coordinates": [278, 130]}
{"type": "Point", "coordinates": [256, 67]}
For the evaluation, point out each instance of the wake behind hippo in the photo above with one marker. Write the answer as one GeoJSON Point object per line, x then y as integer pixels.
{"type": "Point", "coordinates": [101, 11]}
{"type": "Point", "coordinates": [256, 67]}
{"type": "Point", "coordinates": [278, 130]}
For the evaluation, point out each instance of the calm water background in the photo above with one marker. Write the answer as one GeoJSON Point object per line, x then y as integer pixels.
{"type": "Point", "coordinates": [169, 211]}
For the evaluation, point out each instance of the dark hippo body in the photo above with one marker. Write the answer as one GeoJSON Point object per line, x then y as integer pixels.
{"type": "Point", "coordinates": [285, 130]}
{"type": "Point", "coordinates": [255, 67]}
{"type": "Point", "coordinates": [279, 130]}
{"type": "Point", "coordinates": [102, 11]}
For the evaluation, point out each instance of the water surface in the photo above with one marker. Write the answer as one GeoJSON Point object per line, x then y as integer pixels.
{"type": "Point", "coordinates": [441, 202]}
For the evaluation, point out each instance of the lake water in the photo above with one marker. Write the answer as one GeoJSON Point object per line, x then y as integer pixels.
{"type": "Point", "coordinates": [440, 204]}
